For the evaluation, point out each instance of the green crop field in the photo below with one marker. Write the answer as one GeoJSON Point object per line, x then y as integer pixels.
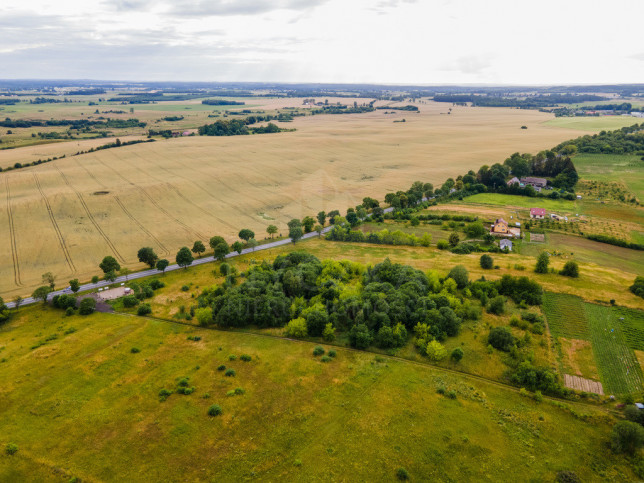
{"type": "Point", "coordinates": [599, 123]}
{"type": "Point", "coordinates": [627, 169]}
{"type": "Point", "coordinates": [612, 339]}
{"type": "Point", "coordinates": [561, 206]}
{"type": "Point", "coordinates": [79, 402]}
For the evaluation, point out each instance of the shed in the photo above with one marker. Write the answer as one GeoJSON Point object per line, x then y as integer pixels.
{"type": "Point", "coordinates": [503, 244]}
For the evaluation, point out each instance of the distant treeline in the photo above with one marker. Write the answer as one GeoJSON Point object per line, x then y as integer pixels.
{"type": "Point", "coordinates": [86, 92]}
{"type": "Point", "coordinates": [625, 140]}
{"type": "Point", "coordinates": [530, 102]}
{"type": "Point", "coordinates": [73, 123]}
{"type": "Point", "coordinates": [398, 108]}
{"type": "Point", "coordinates": [221, 102]}
{"type": "Point", "coordinates": [624, 106]}
{"type": "Point", "coordinates": [343, 109]}
{"type": "Point", "coordinates": [235, 127]}
{"type": "Point", "coordinates": [8, 102]}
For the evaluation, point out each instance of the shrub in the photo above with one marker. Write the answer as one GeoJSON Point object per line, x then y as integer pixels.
{"type": "Point", "coordinates": [230, 393]}
{"type": "Point", "coordinates": [401, 474]}
{"type": "Point", "coordinates": [69, 311]}
{"type": "Point", "coordinates": [442, 245]}
{"type": "Point", "coordinates": [451, 394]}
{"type": "Point", "coordinates": [214, 410]}
{"type": "Point", "coordinates": [457, 354]}
{"type": "Point", "coordinates": [441, 390]}
{"type": "Point", "coordinates": [638, 286]}
{"type": "Point", "coordinates": [232, 357]}
{"type": "Point", "coordinates": [542, 263]}
{"type": "Point", "coordinates": [326, 359]}
{"type": "Point", "coordinates": [567, 477]}
{"type": "Point", "coordinates": [435, 351]}
{"type": "Point", "coordinates": [570, 269]}
{"type": "Point", "coordinates": [627, 437]}
{"type": "Point", "coordinates": [185, 288]}
{"type": "Point", "coordinates": [185, 390]}
{"type": "Point", "coordinates": [245, 358]}
{"type": "Point", "coordinates": [156, 284]}
{"type": "Point", "coordinates": [329, 332]}
{"type": "Point", "coordinates": [239, 391]}
{"type": "Point", "coordinates": [221, 368]}
{"type": "Point", "coordinates": [130, 301]}
{"type": "Point", "coordinates": [95, 279]}
{"type": "Point", "coordinates": [501, 338]}
{"type": "Point", "coordinates": [11, 448]}
{"type": "Point", "coordinates": [204, 316]}
{"type": "Point", "coordinates": [496, 305]}
{"type": "Point", "coordinates": [296, 328]}
{"type": "Point", "coordinates": [87, 306]}
{"type": "Point", "coordinates": [164, 394]}
{"type": "Point", "coordinates": [486, 261]}
{"type": "Point", "coordinates": [332, 353]}
{"type": "Point", "coordinates": [230, 373]}
{"type": "Point", "coordinates": [144, 309]}
{"type": "Point", "coordinates": [318, 350]}
{"type": "Point", "coordinates": [360, 337]}
{"type": "Point", "coordinates": [135, 350]}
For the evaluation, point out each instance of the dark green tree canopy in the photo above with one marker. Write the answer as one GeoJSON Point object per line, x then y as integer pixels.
{"type": "Point", "coordinates": [184, 257]}
{"type": "Point", "coordinates": [246, 234]}
{"type": "Point", "coordinates": [109, 264]}
{"type": "Point", "coordinates": [147, 255]}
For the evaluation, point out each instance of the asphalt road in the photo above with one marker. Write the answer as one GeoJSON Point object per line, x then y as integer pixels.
{"type": "Point", "coordinates": [154, 271]}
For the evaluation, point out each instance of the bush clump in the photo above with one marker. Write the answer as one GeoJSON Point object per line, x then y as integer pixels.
{"type": "Point", "coordinates": [87, 306]}
{"type": "Point", "coordinates": [230, 373]}
{"type": "Point", "coordinates": [326, 359]}
{"type": "Point", "coordinates": [164, 394]}
{"type": "Point", "coordinates": [214, 410]}
{"type": "Point", "coordinates": [11, 448]}
{"type": "Point", "coordinates": [135, 350]}
{"type": "Point", "coordinates": [144, 309]}
{"type": "Point", "coordinates": [232, 357]}
{"type": "Point", "coordinates": [401, 474]}
{"type": "Point", "coordinates": [332, 353]}
{"type": "Point", "coordinates": [501, 338]}
{"type": "Point", "coordinates": [130, 301]}
{"type": "Point", "coordinates": [318, 350]}
{"type": "Point", "coordinates": [245, 358]}
{"type": "Point", "coordinates": [221, 368]}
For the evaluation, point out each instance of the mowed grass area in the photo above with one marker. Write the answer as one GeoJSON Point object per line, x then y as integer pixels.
{"type": "Point", "coordinates": [562, 206]}
{"type": "Point", "coordinates": [613, 339]}
{"type": "Point", "coordinates": [623, 169]}
{"type": "Point", "coordinates": [592, 123]}
{"type": "Point", "coordinates": [97, 414]}
{"type": "Point", "coordinates": [169, 193]}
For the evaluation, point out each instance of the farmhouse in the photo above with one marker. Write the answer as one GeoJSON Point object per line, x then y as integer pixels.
{"type": "Point", "coordinates": [503, 244]}
{"type": "Point", "coordinates": [500, 226]}
{"type": "Point", "coordinates": [538, 213]}
{"type": "Point", "coordinates": [534, 182]}
{"type": "Point", "coordinates": [514, 180]}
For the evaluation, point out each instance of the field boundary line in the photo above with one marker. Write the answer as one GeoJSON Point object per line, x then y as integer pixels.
{"type": "Point", "coordinates": [12, 237]}
{"type": "Point", "coordinates": [165, 251]}
{"type": "Point", "coordinates": [90, 216]}
{"type": "Point", "coordinates": [59, 233]}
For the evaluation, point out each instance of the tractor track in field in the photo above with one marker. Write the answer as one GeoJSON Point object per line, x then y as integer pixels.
{"type": "Point", "coordinates": [156, 205]}
{"type": "Point", "coordinates": [90, 216]}
{"type": "Point", "coordinates": [455, 372]}
{"type": "Point", "coordinates": [59, 233]}
{"type": "Point", "coordinates": [164, 250]}
{"type": "Point", "coordinates": [12, 237]}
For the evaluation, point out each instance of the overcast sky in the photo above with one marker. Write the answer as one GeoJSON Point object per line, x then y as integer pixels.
{"type": "Point", "coordinates": [370, 41]}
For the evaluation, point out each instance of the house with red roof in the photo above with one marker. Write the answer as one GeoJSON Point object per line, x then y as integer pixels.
{"type": "Point", "coordinates": [538, 213]}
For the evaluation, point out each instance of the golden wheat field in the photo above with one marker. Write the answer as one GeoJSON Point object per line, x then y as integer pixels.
{"type": "Point", "coordinates": [66, 215]}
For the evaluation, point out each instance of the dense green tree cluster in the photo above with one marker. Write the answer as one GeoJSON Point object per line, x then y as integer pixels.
{"type": "Point", "coordinates": [383, 237]}
{"type": "Point", "coordinates": [621, 141]}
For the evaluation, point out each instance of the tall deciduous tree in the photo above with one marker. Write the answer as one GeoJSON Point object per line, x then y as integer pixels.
{"type": "Point", "coordinates": [147, 255]}
{"type": "Point", "coordinates": [162, 265]}
{"type": "Point", "coordinates": [308, 223]}
{"type": "Point", "coordinates": [215, 240]}
{"type": "Point", "coordinates": [271, 230]}
{"type": "Point", "coordinates": [246, 234]}
{"type": "Point", "coordinates": [198, 248]}
{"type": "Point", "coordinates": [109, 264]}
{"type": "Point", "coordinates": [295, 231]}
{"type": "Point", "coordinates": [50, 279]}
{"type": "Point", "coordinates": [41, 293]}
{"type": "Point", "coordinates": [184, 257]}
{"type": "Point", "coordinates": [74, 285]}
{"type": "Point", "coordinates": [237, 247]}
{"type": "Point", "coordinates": [221, 250]}
{"type": "Point", "coordinates": [321, 217]}
{"type": "Point", "coordinates": [542, 263]}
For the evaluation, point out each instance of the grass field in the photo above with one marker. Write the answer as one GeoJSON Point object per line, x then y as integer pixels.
{"type": "Point", "coordinates": [170, 193]}
{"type": "Point", "coordinates": [570, 317]}
{"type": "Point", "coordinates": [593, 123]}
{"type": "Point", "coordinates": [626, 169]}
{"type": "Point", "coordinates": [97, 415]}
{"type": "Point", "coordinates": [561, 206]}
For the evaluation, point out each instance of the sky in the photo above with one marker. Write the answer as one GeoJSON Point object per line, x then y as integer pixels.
{"type": "Point", "coordinates": [420, 42]}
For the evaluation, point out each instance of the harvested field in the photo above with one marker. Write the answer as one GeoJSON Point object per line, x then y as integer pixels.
{"type": "Point", "coordinates": [581, 384]}
{"type": "Point", "coordinates": [170, 193]}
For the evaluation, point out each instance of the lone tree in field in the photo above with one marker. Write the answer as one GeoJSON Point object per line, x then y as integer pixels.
{"type": "Point", "coordinates": [184, 257]}
{"type": "Point", "coordinates": [570, 269]}
{"type": "Point", "coordinates": [321, 217]}
{"type": "Point", "coordinates": [50, 279]}
{"type": "Point", "coordinates": [162, 265]}
{"type": "Point", "coordinates": [74, 285]}
{"type": "Point", "coordinates": [198, 248]}
{"type": "Point", "coordinates": [295, 230]}
{"type": "Point", "coordinates": [147, 255]}
{"type": "Point", "coordinates": [627, 437]}
{"type": "Point", "coordinates": [460, 275]}
{"type": "Point", "coordinates": [246, 234]}
{"type": "Point", "coordinates": [109, 264]}
{"type": "Point", "coordinates": [486, 262]}
{"type": "Point", "coordinates": [41, 293]}
{"type": "Point", "coordinates": [542, 263]}
{"type": "Point", "coordinates": [237, 247]}
{"type": "Point", "coordinates": [271, 230]}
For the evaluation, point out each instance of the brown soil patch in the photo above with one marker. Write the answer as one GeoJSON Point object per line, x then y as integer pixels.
{"type": "Point", "coordinates": [581, 384]}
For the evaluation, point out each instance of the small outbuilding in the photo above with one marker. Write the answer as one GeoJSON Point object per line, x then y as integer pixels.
{"type": "Point", "coordinates": [505, 244]}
